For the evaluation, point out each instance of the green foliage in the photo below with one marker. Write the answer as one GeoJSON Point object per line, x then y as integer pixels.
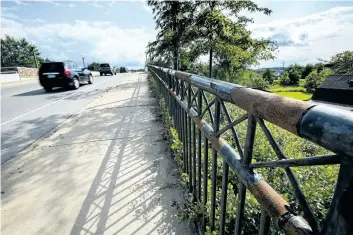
{"type": "Point", "coordinates": [343, 63]}
{"type": "Point", "coordinates": [192, 29]}
{"type": "Point", "coordinates": [314, 79]}
{"type": "Point", "coordinates": [307, 70]}
{"type": "Point", "coordinates": [18, 52]}
{"type": "Point", "coordinates": [94, 66]}
{"type": "Point", "coordinates": [257, 82]}
{"type": "Point", "coordinates": [294, 74]}
{"type": "Point", "coordinates": [269, 76]}
{"type": "Point", "coordinates": [284, 79]}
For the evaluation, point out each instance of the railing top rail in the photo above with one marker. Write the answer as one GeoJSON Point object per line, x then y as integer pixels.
{"type": "Point", "coordinates": [327, 126]}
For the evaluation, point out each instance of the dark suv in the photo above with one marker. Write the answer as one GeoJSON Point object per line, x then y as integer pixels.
{"type": "Point", "coordinates": [106, 69]}
{"type": "Point", "coordinates": [123, 70]}
{"type": "Point", "coordinates": [63, 74]}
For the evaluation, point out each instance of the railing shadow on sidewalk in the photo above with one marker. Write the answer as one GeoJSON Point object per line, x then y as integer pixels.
{"type": "Point", "coordinates": [111, 206]}
{"type": "Point", "coordinates": [135, 181]}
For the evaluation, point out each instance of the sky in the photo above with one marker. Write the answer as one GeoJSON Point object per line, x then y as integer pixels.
{"type": "Point", "coordinates": [117, 32]}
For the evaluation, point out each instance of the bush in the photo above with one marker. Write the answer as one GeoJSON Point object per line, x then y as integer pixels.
{"type": "Point", "coordinates": [314, 79]}
{"type": "Point", "coordinates": [294, 76]}
{"type": "Point", "coordinates": [257, 82]}
{"type": "Point", "coordinates": [269, 76]}
{"type": "Point", "coordinates": [284, 79]}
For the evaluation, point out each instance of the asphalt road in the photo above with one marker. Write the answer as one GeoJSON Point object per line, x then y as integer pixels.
{"type": "Point", "coordinates": [28, 112]}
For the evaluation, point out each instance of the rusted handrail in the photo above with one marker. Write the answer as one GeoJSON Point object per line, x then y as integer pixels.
{"type": "Point", "coordinates": [329, 127]}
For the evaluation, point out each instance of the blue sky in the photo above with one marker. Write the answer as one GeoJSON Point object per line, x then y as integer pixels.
{"type": "Point", "coordinates": [118, 31]}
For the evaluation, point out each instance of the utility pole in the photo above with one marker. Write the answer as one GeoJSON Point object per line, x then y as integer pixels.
{"type": "Point", "coordinates": [83, 61]}
{"type": "Point", "coordinates": [283, 66]}
{"type": "Point", "coordinates": [35, 58]}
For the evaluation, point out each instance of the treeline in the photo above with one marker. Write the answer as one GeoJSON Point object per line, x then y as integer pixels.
{"type": "Point", "coordinates": [19, 52]}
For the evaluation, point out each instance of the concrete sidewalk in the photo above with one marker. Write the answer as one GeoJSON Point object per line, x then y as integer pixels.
{"type": "Point", "coordinates": [106, 171]}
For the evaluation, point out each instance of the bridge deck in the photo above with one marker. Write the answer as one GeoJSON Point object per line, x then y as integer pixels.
{"type": "Point", "coordinates": [104, 171]}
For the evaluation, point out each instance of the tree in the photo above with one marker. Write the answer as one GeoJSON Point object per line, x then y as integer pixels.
{"type": "Point", "coordinates": [172, 19]}
{"type": "Point", "coordinates": [18, 52]}
{"type": "Point", "coordinates": [255, 81]}
{"type": "Point", "coordinates": [343, 63]}
{"type": "Point", "coordinates": [269, 76]}
{"type": "Point", "coordinates": [294, 74]}
{"type": "Point", "coordinates": [94, 66]}
{"type": "Point", "coordinates": [314, 79]}
{"type": "Point", "coordinates": [284, 79]}
{"type": "Point", "coordinates": [307, 70]}
{"type": "Point", "coordinates": [226, 41]}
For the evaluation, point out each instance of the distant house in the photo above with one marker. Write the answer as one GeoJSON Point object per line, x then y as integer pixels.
{"type": "Point", "coordinates": [335, 89]}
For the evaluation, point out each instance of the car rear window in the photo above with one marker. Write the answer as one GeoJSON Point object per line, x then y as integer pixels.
{"type": "Point", "coordinates": [52, 67]}
{"type": "Point", "coordinates": [104, 65]}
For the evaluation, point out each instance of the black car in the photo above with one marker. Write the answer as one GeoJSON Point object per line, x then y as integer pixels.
{"type": "Point", "coordinates": [63, 74]}
{"type": "Point", "coordinates": [123, 70]}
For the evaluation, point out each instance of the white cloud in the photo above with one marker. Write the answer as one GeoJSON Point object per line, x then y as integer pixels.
{"type": "Point", "coordinates": [71, 5]}
{"type": "Point", "coordinates": [98, 41]}
{"type": "Point", "coordinates": [19, 2]}
{"type": "Point", "coordinates": [146, 7]}
{"type": "Point", "coordinates": [94, 4]}
{"type": "Point", "coordinates": [305, 39]}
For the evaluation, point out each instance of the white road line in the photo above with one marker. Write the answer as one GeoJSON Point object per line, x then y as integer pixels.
{"type": "Point", "coordinates": [22, 115]}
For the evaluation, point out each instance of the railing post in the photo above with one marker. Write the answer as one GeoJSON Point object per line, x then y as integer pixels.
{"type": "Point", "coordinates": [265, 221]}
{"type": "Point", "coordinates": [214, 166]}
{"type": "Point", "coordinates": [248, 150]}
{"type": "Point", "coordinates": [190, 139]}
{"type": "Point", "coordinates": [339, 219]}
{"type": "Point", "coordinates": [199, 110]}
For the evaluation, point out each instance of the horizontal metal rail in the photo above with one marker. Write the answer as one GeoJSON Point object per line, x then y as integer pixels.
{"type": "Point", "coordinates": [326, 126]}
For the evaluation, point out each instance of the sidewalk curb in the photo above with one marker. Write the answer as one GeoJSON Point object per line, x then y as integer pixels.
{"type": "Point", "coordinates": [40, 142]}
{"type": "Point", "coordinates": [7, 84]}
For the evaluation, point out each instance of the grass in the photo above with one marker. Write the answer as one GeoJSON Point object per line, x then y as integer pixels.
{"type": "Point", "coordinates": [296, 92]}
{"type": "Point", "coordinates": [279, 88]}
{"type": "Point", "coordinates": [295, 95]}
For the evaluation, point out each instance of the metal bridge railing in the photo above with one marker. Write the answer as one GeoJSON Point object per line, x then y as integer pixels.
{"type": "Point", "coordinates": [326, 126]}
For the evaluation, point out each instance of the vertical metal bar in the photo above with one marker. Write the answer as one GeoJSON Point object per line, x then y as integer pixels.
{"type": "Point", "coordinates": [194, 160]}
{"type": "Point", "coordinates": [189, 141]}
{"type": "Point", "coordinates": [186, 143]}
{"type": "Point", "coordinates": [224, 198]}
{"type": "Point", "coordinates": [181, 110]}
{"type": "Point", "coordinates": [205, 179]}
{"type": "Point", "coordinates": [248, 150]}
{"type": "Point", "coordinates": [184, 140]}
{"type": "Point", "coordinates": [190, 153]}
{"type": "Point", "coordinates": [214, 167]}
{"type": "Point", "coordinates": [199, 111]}
{"type": "Point", "coordinates": [265, 222]}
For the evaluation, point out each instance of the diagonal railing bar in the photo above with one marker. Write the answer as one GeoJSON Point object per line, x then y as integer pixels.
{"type": "Point", "coordinates": [234, 133]}
{"type": "Point", "coordinates": [326, 126]}
{"type": "Point", "coordinates": [194, 96]}
{"type": "Point", "coordinates": [308, 214]}
{"type": "Point", "coordinates": [232, 124]}
{"type": "Point", "coordinates": [308, 161]}
{"type": "Point", "coordinates": [207, 108]}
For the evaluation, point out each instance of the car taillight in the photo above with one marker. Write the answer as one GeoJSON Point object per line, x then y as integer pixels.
{"type": "Point", "coordinates": [67, 73]}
